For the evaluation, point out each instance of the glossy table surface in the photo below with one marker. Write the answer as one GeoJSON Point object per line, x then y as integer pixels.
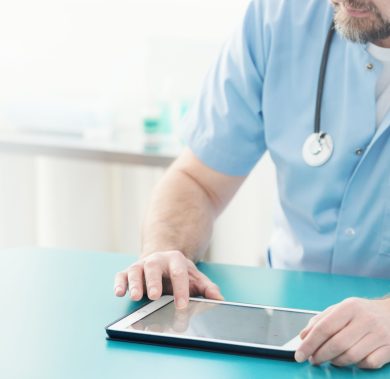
{"type": "Point", "coordinates": [55, 305]}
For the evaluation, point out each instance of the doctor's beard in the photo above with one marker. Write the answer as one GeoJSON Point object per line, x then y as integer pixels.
{"type": "Point", "coordinates": [362, 30]}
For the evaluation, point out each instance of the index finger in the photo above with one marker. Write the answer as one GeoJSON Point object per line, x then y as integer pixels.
{"type": "Point", "coordinates": [324, 329]}
{"type": "Point", "coordinates": [314, 320]}
{"type": "Point", "coordinates": [135, 277]}
{"type": "Point", "coordinates": [178, 273]}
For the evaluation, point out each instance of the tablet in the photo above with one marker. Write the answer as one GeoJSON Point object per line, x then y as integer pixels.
{"type": "Point", "coordinates": [215, 325]}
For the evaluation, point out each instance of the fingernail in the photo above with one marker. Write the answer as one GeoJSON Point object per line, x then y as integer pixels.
{"type": "Point", "coordinates": [181, 303]}
{"type": "Point", "coordinates": [118, 290]}
{"type": "Point", "coordinates": [134, 293]}
{"type": "Point", "coordinates": [217, 295]}
{"type": "Point", "coordinates": [153, 292]}
{"type": "Point", "coordinates": [299, 356]}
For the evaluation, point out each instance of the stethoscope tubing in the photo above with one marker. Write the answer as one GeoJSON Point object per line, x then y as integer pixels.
{"type": "Point", "coordinates": [322, 76]}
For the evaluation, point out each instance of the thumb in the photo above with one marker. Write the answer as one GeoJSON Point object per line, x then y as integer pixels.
{"type": "Point", "coordinates": [208, 289]}
{"type": "Point", "coordinates": [309, 326]}
{"type": "Point", "coordinates": [213, 292]}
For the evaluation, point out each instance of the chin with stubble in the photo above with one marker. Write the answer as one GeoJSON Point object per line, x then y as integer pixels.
{"type": "Point", "coordinates": [362, 21]}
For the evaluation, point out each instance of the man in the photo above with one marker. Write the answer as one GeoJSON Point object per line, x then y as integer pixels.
{"type": "Point", "coordinates": [335, 217]}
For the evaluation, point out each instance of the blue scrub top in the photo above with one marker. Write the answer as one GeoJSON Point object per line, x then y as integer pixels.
{"type": "Point", "coordinates": [260, 96]}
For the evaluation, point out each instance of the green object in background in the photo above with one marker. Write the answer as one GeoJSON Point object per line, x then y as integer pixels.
{"type": "Point", "coordinates": [151, 125]}
{"type": "Point", "coordinates": [152, 134]}
{"type": "Point", "coordinates": [166, 118]}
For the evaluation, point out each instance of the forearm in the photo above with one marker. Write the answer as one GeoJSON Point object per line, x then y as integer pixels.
{"type": "Point", "coordinates": [179, 221]}
{"type": "Point", "coordinates": [180, 217]}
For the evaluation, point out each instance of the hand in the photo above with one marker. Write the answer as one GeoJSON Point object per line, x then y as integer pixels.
{"type": "Point", "coordinates": [165, 272]}
{"type": "Point", "coordinates": [355, 331]}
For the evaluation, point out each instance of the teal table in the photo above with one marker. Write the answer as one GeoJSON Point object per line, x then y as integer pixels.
{"type": "Point", "coordinates": [55, 304]}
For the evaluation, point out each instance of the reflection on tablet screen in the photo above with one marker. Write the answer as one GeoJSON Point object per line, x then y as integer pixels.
{"type": "Point", "coordinates": [226, 322]}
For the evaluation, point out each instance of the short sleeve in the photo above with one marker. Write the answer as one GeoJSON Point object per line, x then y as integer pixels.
{"type": "Point", "coordinates": [224, 127]}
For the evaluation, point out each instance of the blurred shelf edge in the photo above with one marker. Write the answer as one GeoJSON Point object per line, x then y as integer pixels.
{"type": "Point", "coordinates": [126, 147]}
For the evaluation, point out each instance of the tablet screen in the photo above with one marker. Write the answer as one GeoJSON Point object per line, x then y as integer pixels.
{"type": "Point", "coordinates": [233, 323]}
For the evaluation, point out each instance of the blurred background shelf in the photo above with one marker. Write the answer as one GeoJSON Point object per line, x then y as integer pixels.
{"type": "Point", "coordinates": [119, 147]}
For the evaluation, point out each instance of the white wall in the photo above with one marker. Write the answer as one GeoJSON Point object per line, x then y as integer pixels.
{"type": "Point", "coordinates": [71, 64]}
{"type": "Point", "coordinates": [242, 233]}
{"type": "Point", "coordinates": [74, 64]}
{"type": "Point", "coordinates": [17, 201]}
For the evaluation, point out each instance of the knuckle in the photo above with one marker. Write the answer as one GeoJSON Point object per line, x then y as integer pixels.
{"type": "Point", "coordinates": [322, 329]}
{"type": "Point", "coordinates": [351, 300]}
{"type": "Point", "coordinates": [135, 267]}
{"type": "Point", "coordinates": [151, 263]}
{"type": "Point", "coordinates": [315, 318]}
{"type": "Point", "coordinates": [335, 348]}
{"type": "Point", "coordinates": [338, 362]}
{"type": "Point", "coordinates": [135, 283]}
{"type": "Point", "coordinates": [328, 309]}
{"type": "Point", "coordinates": [371, 363]}
{"type": "Point", "coordinates": [178, 272]}
{"type": "Point", "coordinates": [176, 254]}
{"type": "Point", "coordinates": [349, 357]}
{"type": "Point", "coordinates": [134, 276]}
{"type": "Point", "coordinates": [351, 303]}
{"type": "Point", "coordinates": [153, 283]}
{"type": "Point", "coordinates": [156, 255]}
{"type": "Point", "coordinates": [341, 362]}
{"type": "Point", "coordinates": [312, 321]}
{"type": "Point", "coordinates": [191, 266]}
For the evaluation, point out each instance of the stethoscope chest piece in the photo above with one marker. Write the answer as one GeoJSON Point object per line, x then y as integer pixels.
{"type": "Point", "coordinates": [318, 149]}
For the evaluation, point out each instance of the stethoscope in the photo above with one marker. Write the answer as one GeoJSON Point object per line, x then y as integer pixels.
{"type": "Point", "coordinates": [318, 147]}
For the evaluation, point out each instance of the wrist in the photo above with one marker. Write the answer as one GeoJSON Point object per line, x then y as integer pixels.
{"type": "Point", "coordinates": [146, 252]}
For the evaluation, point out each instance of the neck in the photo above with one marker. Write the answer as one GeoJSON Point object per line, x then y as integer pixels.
{"type": "Point", "coordinates": [383, 43]}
